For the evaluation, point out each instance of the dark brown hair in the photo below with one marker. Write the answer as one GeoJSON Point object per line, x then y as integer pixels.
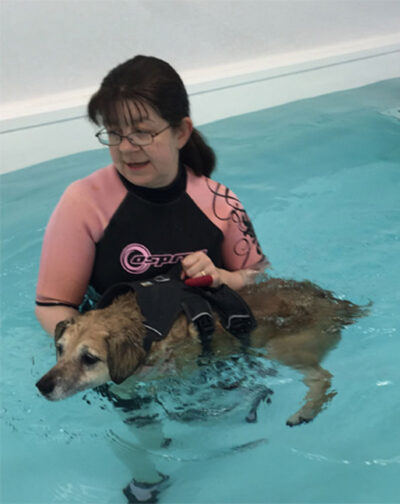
{"type": "Point", "coordinates": [145, 80]}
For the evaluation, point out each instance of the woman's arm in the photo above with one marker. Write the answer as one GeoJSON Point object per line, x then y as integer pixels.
{"type": "Point", "coordinates": [49, 316]}
{"type": "Point", "coordinates": [67, 258]}
{"type": "Point", "coordinates": [236, 280]}
{"type": "Point", "coordinates": [199, 264]}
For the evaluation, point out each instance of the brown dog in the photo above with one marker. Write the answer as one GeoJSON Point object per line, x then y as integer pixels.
{"type": "Point", "coordinates": [298, 323]}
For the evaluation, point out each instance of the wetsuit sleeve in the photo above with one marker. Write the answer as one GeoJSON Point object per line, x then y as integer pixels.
{"type": "Point", "coordinates": [68, 250]}
{"type": "Point", "coordinates": [240, 247]}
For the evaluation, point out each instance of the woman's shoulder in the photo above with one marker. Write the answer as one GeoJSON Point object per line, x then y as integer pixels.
{"type": "Point", "coordinates": [96, 196]}
{"type": "Point", "coordinates": [206, 191]}
{"type": "Point", "coordinates": [101, 188]}
{"type": "Point", "coordinates": [201, 182]}
{"type": "Point", "coordinates": [104, 179]}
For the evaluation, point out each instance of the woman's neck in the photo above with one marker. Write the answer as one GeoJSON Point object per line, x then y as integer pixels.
{"type": "Point", "coordinates": [160, 194]}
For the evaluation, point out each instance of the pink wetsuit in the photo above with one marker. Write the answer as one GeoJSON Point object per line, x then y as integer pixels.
{"type": "Point", "coordinates": [104, 230]}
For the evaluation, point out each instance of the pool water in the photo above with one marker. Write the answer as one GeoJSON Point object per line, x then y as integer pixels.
{"type": "Point", "coordinates": [320, 179]}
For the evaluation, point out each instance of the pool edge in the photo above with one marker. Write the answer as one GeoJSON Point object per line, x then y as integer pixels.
{"type": "Point", "coordinates": [215, 93]}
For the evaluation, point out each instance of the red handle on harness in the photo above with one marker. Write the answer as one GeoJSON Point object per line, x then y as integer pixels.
{"type": "Point", "coordinates": [202, 281]}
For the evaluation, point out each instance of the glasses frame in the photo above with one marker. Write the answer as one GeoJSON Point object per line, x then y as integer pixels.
{"type": "Point", "coordinates": [128, 137]}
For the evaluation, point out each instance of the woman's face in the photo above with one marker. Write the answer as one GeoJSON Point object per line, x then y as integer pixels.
{"type": "Point", "coordinates": [154, 165]}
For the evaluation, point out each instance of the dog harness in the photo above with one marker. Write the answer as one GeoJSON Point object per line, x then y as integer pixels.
{"type": "Point", "coordinates": [163, 298]}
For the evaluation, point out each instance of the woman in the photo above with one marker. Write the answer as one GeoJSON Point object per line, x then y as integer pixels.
{"type": "Point", "coordinates": [152, 208]}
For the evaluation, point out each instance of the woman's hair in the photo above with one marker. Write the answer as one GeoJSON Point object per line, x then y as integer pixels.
{"type": "Point", "coordinates": [145, 80]}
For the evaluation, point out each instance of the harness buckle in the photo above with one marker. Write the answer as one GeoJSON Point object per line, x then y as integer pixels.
{"type": "Point", "coordinates": [205, 325]}
{"type": "Point", "coordinates": [240, 325]}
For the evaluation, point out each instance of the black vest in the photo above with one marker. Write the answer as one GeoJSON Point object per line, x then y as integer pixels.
{"type": "Point", "coordinates": [164, 297]}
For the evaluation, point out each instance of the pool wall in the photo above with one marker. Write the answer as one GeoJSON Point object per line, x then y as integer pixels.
{"type": "Point", "coordinates": [261, 55]}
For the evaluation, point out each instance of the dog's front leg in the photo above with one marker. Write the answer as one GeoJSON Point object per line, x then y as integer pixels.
{"type": "Point", "coordinates": [318, 381]}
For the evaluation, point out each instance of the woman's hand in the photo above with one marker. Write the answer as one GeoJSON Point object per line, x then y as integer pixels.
{"type": "Point", "coordinates": [199, 264]}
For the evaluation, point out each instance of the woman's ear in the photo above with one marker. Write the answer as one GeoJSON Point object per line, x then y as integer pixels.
{"type": "Point", "coordinates": [184, 131]}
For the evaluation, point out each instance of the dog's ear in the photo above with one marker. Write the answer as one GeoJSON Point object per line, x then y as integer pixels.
{"type": "Point", "coordinates": [61, 326]}
{"type": "Point", "coordinates": [124, 355]}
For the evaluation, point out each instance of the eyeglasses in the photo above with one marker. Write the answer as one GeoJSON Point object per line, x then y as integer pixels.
{"type": "Point", "coordinates": [138, 139]}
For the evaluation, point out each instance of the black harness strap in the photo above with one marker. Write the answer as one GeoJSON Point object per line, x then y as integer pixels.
{"type": "Point", "coordinates": [235, 315]}
{"type": "Point", "coordinates": [199, 312]}
{"type": "Point", "coordinates": [163, 298]}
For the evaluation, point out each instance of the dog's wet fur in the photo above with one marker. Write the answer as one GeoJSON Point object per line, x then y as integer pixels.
{"type": "Point", "coordinates": [298, 323]}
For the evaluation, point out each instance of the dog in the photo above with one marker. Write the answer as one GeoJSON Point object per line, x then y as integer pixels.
{"type": "Point", "coordinates": [298, 323]}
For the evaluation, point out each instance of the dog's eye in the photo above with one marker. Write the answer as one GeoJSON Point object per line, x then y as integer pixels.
{"type": "Point", "coordinates": [59, 349]}
{"type": "Point", "coordinates": [89, 359]}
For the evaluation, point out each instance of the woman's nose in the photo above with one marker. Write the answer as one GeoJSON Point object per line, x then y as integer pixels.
{"type": "Point", "coordinates": [127, 146]}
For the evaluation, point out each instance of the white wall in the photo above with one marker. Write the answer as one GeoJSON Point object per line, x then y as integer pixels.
{"type": "Point", "coordinates": [49, 46]}
{"type": "Point", "coordinates": [235, 56]}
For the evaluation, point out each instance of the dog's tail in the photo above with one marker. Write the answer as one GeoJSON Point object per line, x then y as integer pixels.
{"type": "Point", "coordinates": [347, 312]}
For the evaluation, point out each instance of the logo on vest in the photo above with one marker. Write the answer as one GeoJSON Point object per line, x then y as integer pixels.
{"type": "Point", "coordinates": [136, 258]}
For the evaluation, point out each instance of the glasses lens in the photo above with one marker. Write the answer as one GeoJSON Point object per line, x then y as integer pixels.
{"type": "Point", "coordinates": [141, 138]}
{"type": "Point", "coordinates": [108, 138]}
{"type": "Point", "coordinates": [111, 138]}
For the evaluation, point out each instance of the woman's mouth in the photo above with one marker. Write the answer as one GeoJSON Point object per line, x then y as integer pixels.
{"type": "Point", "coordinates": [137, 166]}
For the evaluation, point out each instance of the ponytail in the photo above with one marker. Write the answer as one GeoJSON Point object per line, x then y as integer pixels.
{"type": "Point", "coordinates": [198, 155]}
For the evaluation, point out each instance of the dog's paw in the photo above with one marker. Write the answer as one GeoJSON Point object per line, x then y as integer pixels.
{"type": "Point", "coordinates": [298, 419]}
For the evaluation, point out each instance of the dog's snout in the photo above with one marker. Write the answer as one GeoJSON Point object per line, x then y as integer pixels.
{"type": "Point", "coordinates": [45, 385]}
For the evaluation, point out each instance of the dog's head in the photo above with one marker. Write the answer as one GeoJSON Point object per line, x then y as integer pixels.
{"type": "Point", "coordinates": [91, 350]}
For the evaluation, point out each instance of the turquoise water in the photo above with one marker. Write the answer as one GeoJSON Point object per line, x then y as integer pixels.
{"type": "Point", "coordinates": [321, 181]}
